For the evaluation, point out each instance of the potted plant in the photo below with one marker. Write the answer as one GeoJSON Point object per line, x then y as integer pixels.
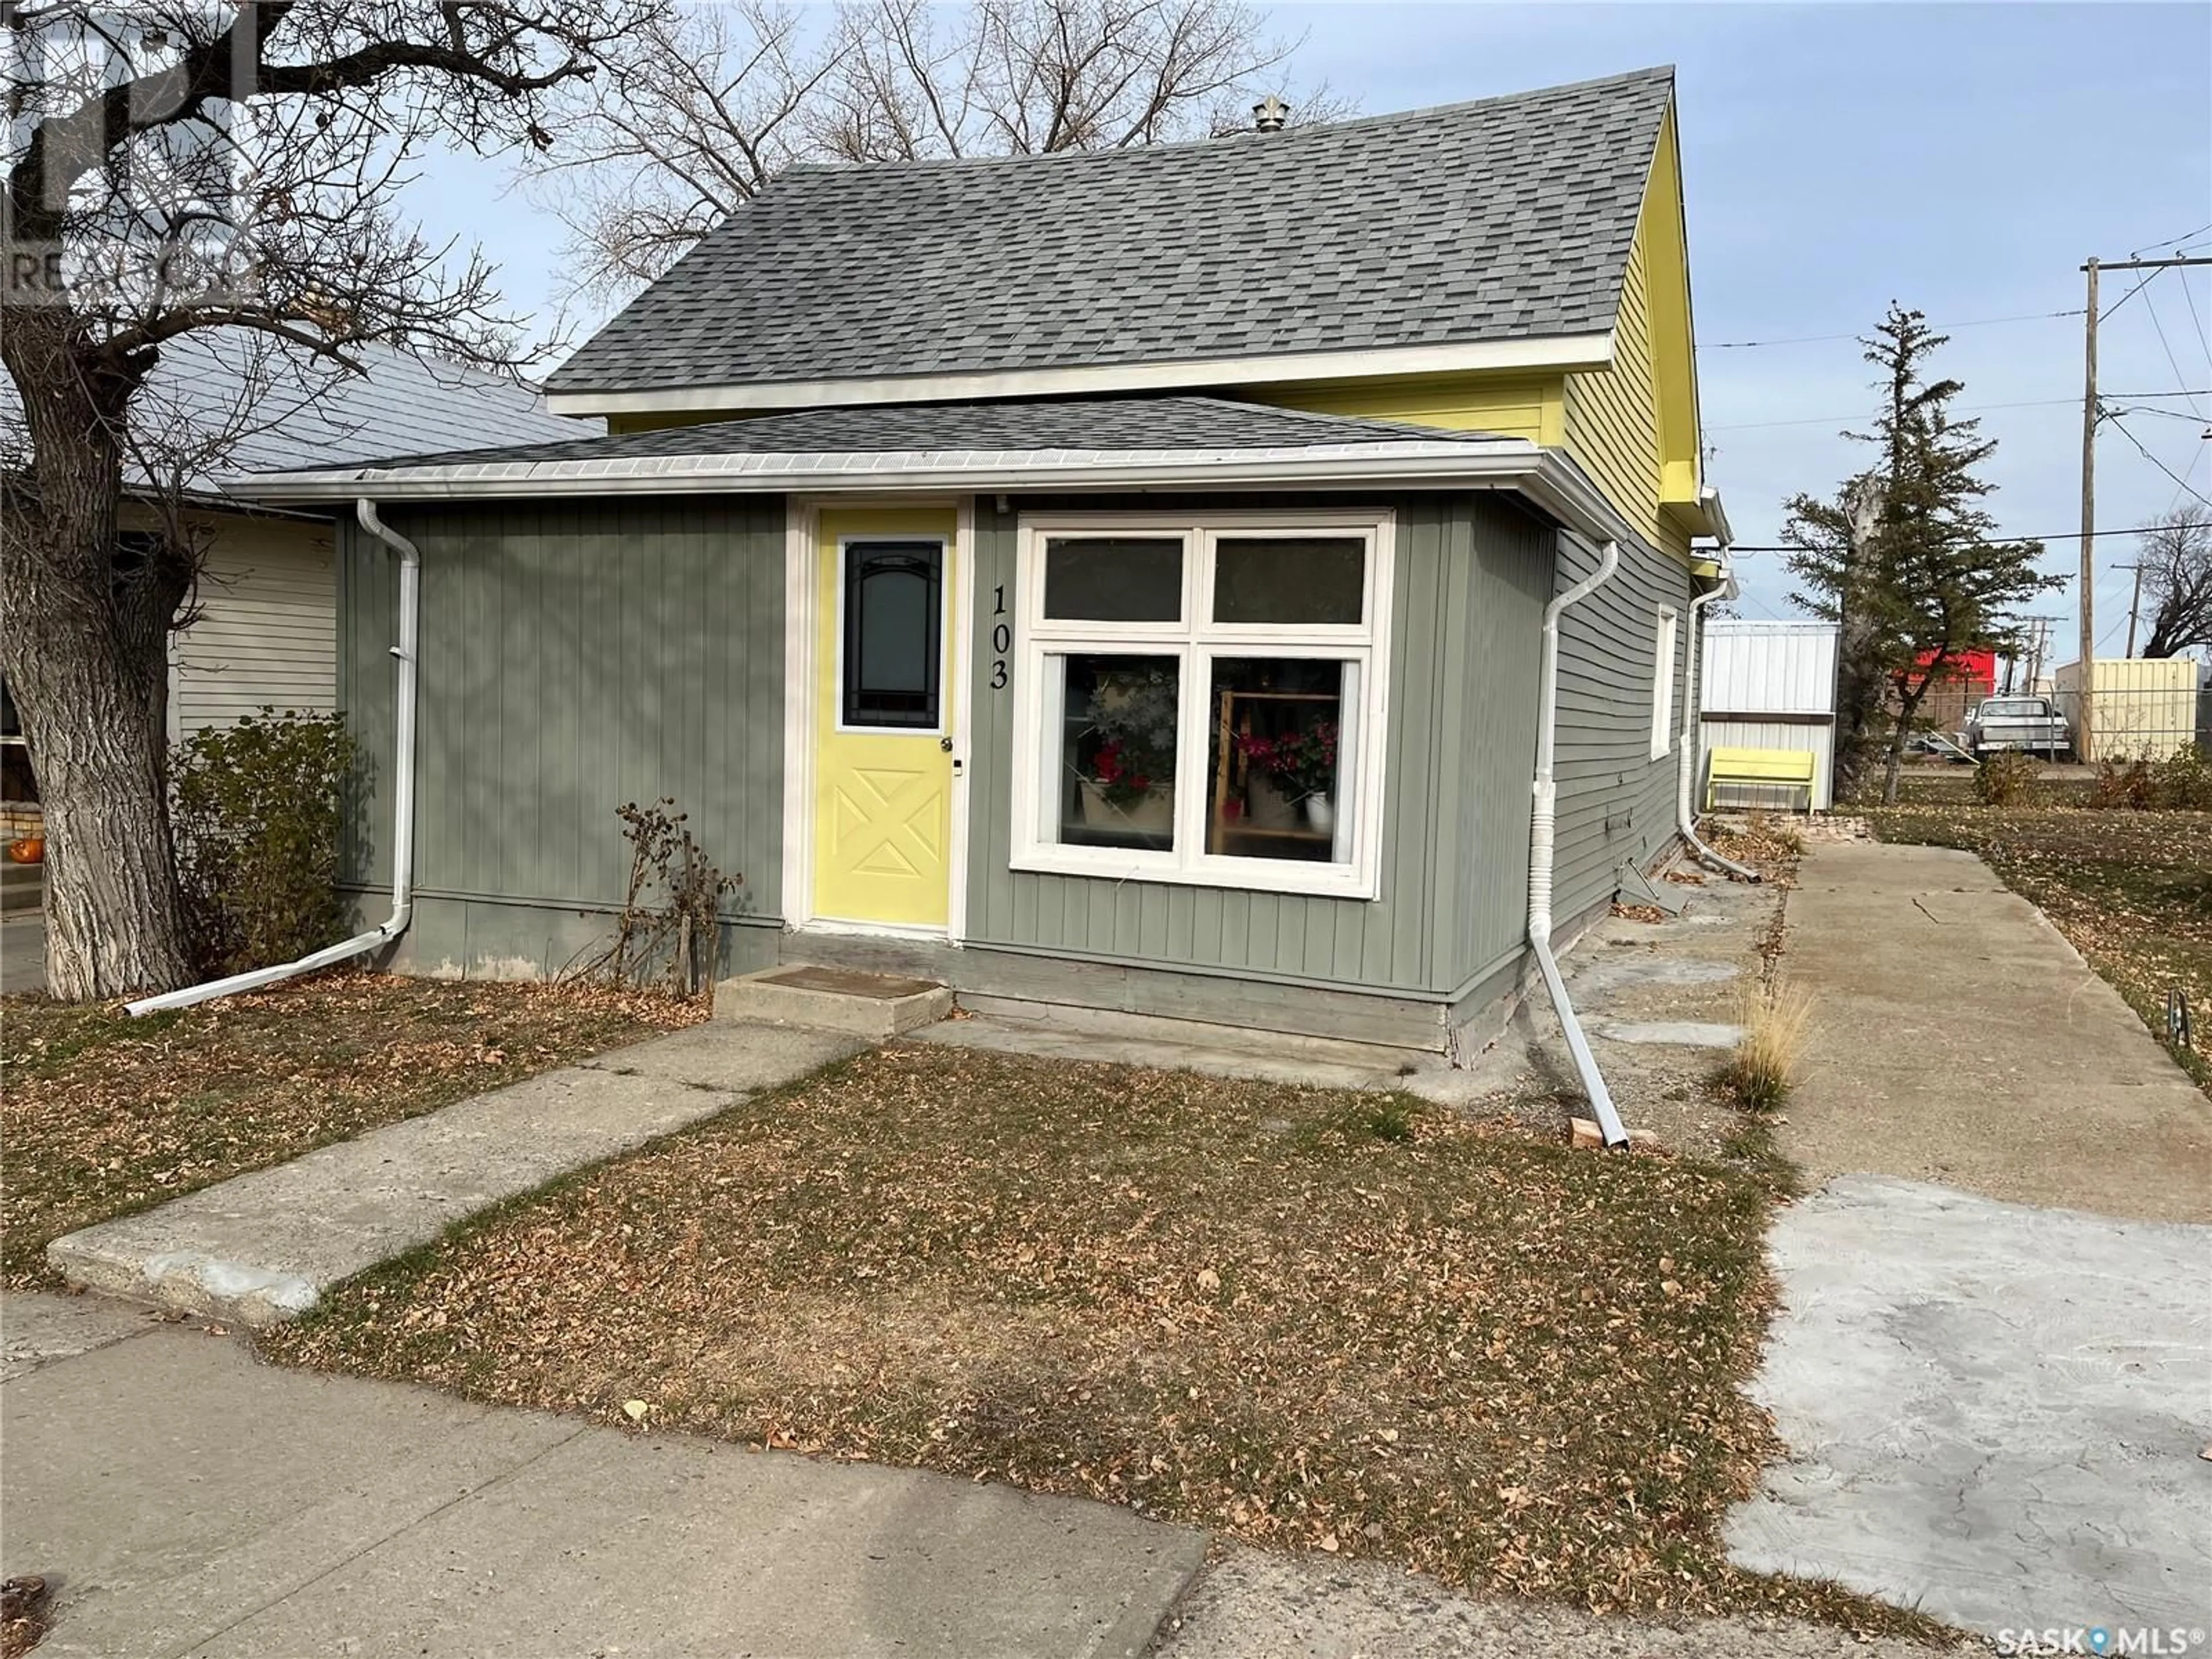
{"type": "Point", "coordinates": [1130, 782]}
{"type": "Point", "coordinates": [1296, 769]}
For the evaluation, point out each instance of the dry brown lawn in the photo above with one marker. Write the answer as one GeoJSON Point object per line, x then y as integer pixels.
{"type": "Point", "coordinates": [101, 1115]}
{"type": "Point", "coordinates": [1317, 1320]}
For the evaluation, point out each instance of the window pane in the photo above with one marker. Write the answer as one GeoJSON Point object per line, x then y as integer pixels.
{"type": "Point", "coordinates": [893, 612]}
{"type": "Point", "coordinates": [1275, 784]}
{"type": "Point", "coordinates": [1113, 761]}
{"type": "Point", "coordinates": [1290, 578]}
{"type": "Point", "coordinates": [1113, 578]}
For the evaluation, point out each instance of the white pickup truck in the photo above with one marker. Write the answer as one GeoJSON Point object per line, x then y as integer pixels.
{"type": "Point", "coordinates": [2025, 723]}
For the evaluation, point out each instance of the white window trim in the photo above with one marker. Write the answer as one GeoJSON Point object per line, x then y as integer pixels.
{"type": "Point", "coordinates": [1665, 640]}
{"type": "Point", "coordinates": [1192, 642]}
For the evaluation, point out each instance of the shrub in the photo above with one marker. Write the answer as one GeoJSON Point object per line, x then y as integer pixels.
{"type": "Point", "coordinates": [254, 819]}
{"type": "Point", "coordinates": [2124, 784]}
{"type": "Point", "coordinates": [2008, 778]}
{"type": "Point", "coordinates": [1758, 1075]}
{"type": "Point", "coordinates": [674, 943]}
{"type": "Point", "coordinates": [2184, 782]}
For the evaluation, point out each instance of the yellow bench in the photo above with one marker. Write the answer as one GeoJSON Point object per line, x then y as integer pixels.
{"type": "Point", "coordinates": [1789, 770]}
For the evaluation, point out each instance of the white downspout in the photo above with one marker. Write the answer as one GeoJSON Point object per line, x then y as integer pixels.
{"type": "Point", "coordinates": [1542, 832]}
{"type": "Point", "coordinates": [402, 803]}
{"type": "Point", "coordinates": [1686, 817]}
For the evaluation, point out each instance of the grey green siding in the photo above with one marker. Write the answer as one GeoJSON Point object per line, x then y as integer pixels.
{"type": "Point", "coordinates": [1487, 681]}
{"type": "Point", "coordinates": [1616, 803]}
{"type": "Point", "coordinates": [575, 656]}
{"type": "Point", "coordinates": [578, 655]}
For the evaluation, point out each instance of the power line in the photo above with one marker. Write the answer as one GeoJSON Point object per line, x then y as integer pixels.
{"type": "Point", "coordinates": [2170, 242]}
{"type": "Point", "coordinates": [2056, 536]}
{"type": "Point", "coordinates": [1970, 409]}
{"type": "Point", "coordinates": [2196, 322]}
{"type": "Point", "coordinates": [1814, 339]}
{"type": "Point", "coordinates": [2119, 427]}
{"type": "Point", "coordinates": [2189, 416]}
{"type": "Point", "coordinates": [2172, 363]}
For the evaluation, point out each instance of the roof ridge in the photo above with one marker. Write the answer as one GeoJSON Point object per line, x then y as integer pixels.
{"type": "Point", "coordinates": [1182, 146]}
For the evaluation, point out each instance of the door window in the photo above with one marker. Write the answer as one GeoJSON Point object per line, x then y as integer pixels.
{"type": "Point", "coordinates": [893, 660]}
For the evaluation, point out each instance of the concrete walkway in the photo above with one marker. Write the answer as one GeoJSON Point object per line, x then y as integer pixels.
{"type": "Point", "coordinates": [1994, 1410]}
{"type": "Point", "coordinates": [1957, 1037]}
{"type": "Point", "coordinates": [264, 1246]}
{"type": "Point", "coordinates": [187, 1501]}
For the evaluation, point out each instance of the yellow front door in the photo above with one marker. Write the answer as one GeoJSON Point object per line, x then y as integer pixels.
{"type": "Point", "coordinates": [883, 798]}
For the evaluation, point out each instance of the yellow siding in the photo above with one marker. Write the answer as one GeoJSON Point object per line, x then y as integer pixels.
{"type": "Point", "coordinates": [1613, 415]}
{"type": "Point", "coordinates": [1520, 407]}
{"type": "Point", "coordinates": [1634, 427]}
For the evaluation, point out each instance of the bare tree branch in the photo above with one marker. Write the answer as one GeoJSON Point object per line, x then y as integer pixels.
{"type": "Point", "coordinates": [2174, 552]}
{"type": "Point", "coordinates": [693, 118]}
{"type": "Point", "coordinates": [178, 173]}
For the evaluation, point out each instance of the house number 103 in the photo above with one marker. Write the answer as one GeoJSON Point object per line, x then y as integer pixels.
{"type": "Point", "coordinates": [1002, 638]}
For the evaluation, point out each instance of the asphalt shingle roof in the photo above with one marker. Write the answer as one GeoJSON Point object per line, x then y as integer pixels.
{"type": "Point", "coordinates": [314, 415]}
{"type": "Point", "coordinates": [1075, 423]}
{"type": "Point", "coordinates": [1501, 219]}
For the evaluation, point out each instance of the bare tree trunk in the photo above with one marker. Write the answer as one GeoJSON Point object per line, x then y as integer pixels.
{"type": "Point", "coordinates": [1908, 706]}
{"type": "Point", "coordinates": [1859, 675]}
{"type": "Point", "coordinates": [85, 650]}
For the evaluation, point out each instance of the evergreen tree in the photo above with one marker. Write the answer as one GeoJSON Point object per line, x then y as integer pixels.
{"type": "Point", "coordinates": [1905, 558]}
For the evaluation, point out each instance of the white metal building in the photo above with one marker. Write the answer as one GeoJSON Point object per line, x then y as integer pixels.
{"type": "Point", "coordinates": [1769, 685]}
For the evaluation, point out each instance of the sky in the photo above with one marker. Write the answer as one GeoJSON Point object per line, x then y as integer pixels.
{"type": "Point", "coordinates": [1962, 159]}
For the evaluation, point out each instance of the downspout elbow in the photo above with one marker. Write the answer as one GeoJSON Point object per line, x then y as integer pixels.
{"type": "Point", "coordinates": [1685, 816]}
{"type": "Point", "coordinates": [403, 805]}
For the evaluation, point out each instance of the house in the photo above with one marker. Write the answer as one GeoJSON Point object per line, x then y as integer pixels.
{"type": "Point", "coordinates": [1116, 578]}
{"type": "Point", "coordinates": [261, 629]}
{"type": "Point", "coordinates": [1771, 686]}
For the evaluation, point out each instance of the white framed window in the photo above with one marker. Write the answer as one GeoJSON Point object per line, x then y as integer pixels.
{"type": "Point", "coordinates": [1662, 683]}
{"type": "Point", "coordinates": [1203, 699]}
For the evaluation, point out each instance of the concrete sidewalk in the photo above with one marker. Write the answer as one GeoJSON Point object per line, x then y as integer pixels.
{"type": "Point", "coordinates": [188, 1501]}
{"type": "Point", "coordinates": [264, 1246]}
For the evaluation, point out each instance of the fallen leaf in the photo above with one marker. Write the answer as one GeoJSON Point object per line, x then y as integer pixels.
{"type": "Point", "coordinates": [636, 1410]}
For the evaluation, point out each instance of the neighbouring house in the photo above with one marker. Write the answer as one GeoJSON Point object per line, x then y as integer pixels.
{"type": "Point", "coordinates": [1770, 686]}
{"type": "Point", "coordinates": [1114, 579]}
{"type": "Point", "coordinates": [261, 629]}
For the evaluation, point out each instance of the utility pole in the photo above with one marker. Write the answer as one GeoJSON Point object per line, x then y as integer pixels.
{"type": "Point", "coordinates": [2085, 733]}
{"type": "Point", "coordinates": [2085, 716]}
{"type": "Point", "coordinates": [2134, 602]}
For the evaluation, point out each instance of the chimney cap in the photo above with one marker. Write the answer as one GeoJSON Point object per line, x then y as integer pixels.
{"type": "Point", "coordinates": [1269, 114]}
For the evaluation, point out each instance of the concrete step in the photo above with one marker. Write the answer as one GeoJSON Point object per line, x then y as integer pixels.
{"type": "Point", "coordinates": [872, 1005]}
